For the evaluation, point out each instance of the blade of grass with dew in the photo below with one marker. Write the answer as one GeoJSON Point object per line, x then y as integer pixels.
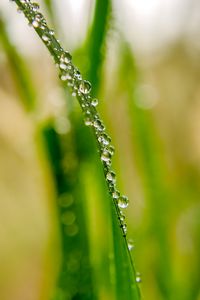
{"type": "Point", "coordinates": [19, 69]}
{"type": "Point", "coordinates": [82, 89]}
{"type": "Point", "coordinates": [152, 169]}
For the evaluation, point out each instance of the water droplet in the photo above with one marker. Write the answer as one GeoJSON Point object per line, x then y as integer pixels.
{"type": "Point", "coordinates": [111, 149]}
{"type": "Point", "coordinates": [94, 102]}
{"type": "Point", "coordinates": [88, 121]}
{"type": "Point", "coordinates": [111, 176]}
{"type": "Point", "coordinates": [122, 216]}
{"type": "Point", "coordinates": [63, 76]}
{"type": "Point", "coordinates": [116, 194]}
{"type": "Point", "coordinates": [35, 23]}
{"type": "Point", "coordinates": [123, 202]}
{"type": "Point", "coordinates": [77, 76]}
{"type": "Point", "coordinates": [130, 244]}
{"type": "Point", "coordinates": [104, 139]}
{"type": "Point", "coordinates": [39, 17]}
{"type": "Point", "coordinates": [138, 277]}
{"type": "Point", "coordinates": [124, 228]}
{"type": "Point", "coordinates": [106, 156]}
{"type": "Point", "coordinates": [66, 57]}
{"type": "Point", "coordinates": [85, 87]}
{"type": "Point", "coordinates": [51, 32]}
{"type": "Point", "coordinates": [99, 125]}
{"type": "Point", "coordinates": [45, 37]}
{"type": "Point", "coordinates": [35, 6]}
{"type": "Point", "coordinates": [63, 66]}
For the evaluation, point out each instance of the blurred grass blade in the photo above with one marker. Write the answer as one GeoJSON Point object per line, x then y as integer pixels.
{"type": "Point", "coordinates": [96, 40]}
{"type": "Point", "coordinates": [19, 70]}
{"type": "Point", "coordinates": [75, 279]}
{"type": "Point", "coordinates": [152, 169]}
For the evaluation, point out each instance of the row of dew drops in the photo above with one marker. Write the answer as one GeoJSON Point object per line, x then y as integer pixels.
{"type": "Point", "coordinates": [82, 90]}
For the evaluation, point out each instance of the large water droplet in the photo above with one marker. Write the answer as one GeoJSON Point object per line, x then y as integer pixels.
{"type": "Point", "coordinates": [123, 202]}
{"type": "Point", "coordinates": [85, 87]}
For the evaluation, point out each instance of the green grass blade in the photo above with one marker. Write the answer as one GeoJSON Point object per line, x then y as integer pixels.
{"type": "Point", "coordinates": [96, 41]}
{"type": "Point", "coordinates": [75, 278]}
{"type": "Point", "coordinates": [152, 169]}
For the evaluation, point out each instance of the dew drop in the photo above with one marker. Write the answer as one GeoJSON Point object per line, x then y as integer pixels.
{"type": "Point", "coordinates": [39, 17]}
{"type": "Point", "coordinates": [51, 32]}
{"type": "Point", "coordinates": [63, 76]}
{"type": "Point", "coordinates": [111, 149]}
{"type": "Point", "coordinates": [124, 227]}
{"type": "Point", "coordinates": [123, 202]}
{"type": "Point", "coordinates": [85, 87]}
{"type": "Point", "coordinates": [138, 278]}
{"type": "Point", "coordinates": [35, 23]}
{"type": "Point", "coordinates": [88, 121]}
{"type": "Point", "coordinates": [104, 139]}
{"type": "Point", "coordinates": [94, 102]}
{"type": "Point", "coordinates": [122, 216]}
{"type": "Point", "coordinates": [105, 156]}
{"type": "Point", "coordinates": [130, 244]}
{"type": "Point", "coordinates": [63, 66]}
{"type": "Point", "coordinates": [98, 125]}
{"type": "Point", "coordinates": [116, 194]}
{"type": "Point", "coordinates": [35, 6]}
{"type": "Point", "coordinates": [66, 57]}
{"type": "Point", "coordinates": [111, 177]}
{"type": "Point", "coordinates": [45, 37]}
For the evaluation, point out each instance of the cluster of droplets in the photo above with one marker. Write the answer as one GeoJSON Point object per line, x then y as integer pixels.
{"type": "Point", "coordinates": [82, 90]}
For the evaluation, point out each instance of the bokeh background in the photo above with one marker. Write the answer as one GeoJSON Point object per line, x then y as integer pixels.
{"type": "Point", "coordinates": [143, 59]}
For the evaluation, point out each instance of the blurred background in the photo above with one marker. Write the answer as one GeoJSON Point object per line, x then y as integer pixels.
{"type": "Point", "coordinates": [143, 60]}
